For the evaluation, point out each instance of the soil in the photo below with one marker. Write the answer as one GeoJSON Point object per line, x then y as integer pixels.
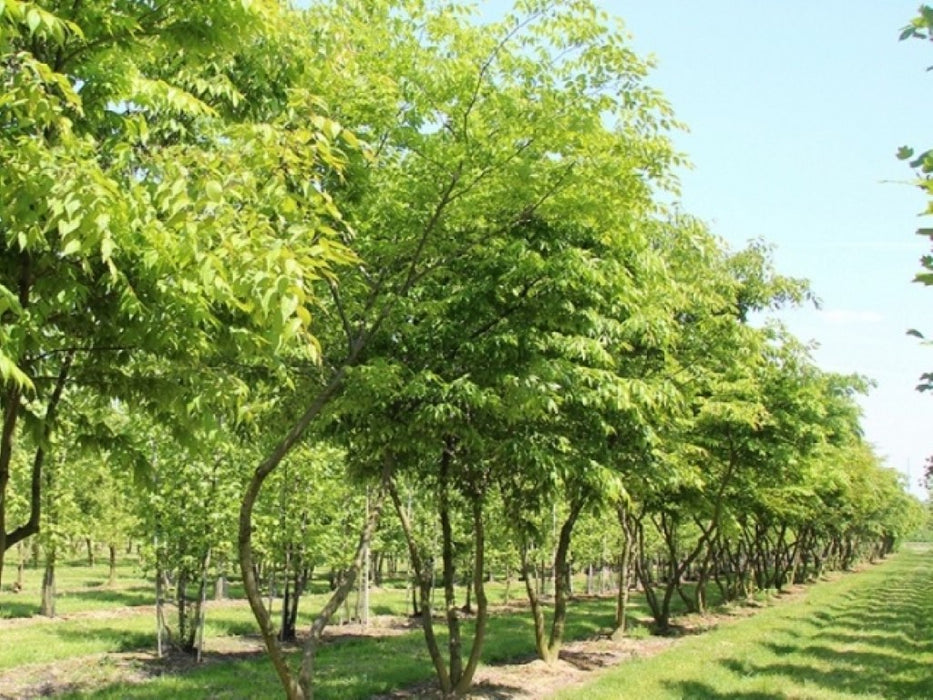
{"type": "Point", "coordinates": [531, 679]}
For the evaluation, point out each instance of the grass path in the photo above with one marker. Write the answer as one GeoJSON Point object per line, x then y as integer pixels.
{"type": "Point", "coordinates": [868, 635]}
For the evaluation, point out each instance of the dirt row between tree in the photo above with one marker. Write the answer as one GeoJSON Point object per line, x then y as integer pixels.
{"type": "Point", "coordinates": [531, 679]}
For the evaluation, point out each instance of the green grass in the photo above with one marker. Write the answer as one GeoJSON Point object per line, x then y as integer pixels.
{"type": "Point", "coordinates": [360, 667]}
{"type": "Point", "coordinates": [80, 588]}
{"type": "Point", "coordinates": [865, 635]}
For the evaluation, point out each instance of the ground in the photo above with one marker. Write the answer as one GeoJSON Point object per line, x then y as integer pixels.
{"type": "Point", "coordinates": [581, 661]}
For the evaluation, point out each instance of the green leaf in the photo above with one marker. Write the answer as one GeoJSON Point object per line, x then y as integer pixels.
{"type": "Point", "coordinates": [214, 191]}
{"type": "Point", "coordinates": [71, 247]}
{"type": "Point", "coordinates": [33, 20]}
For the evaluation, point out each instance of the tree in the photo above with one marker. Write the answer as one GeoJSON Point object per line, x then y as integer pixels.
{"type": "Point", "coordinates": [475, 148]}
{"type": "Point", "coordinates": [162, 218]}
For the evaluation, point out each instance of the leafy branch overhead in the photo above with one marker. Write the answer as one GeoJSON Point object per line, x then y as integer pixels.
{"type": "Point", "coordinates": [921, 27]}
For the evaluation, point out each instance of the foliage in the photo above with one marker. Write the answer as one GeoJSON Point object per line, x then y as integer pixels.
{"type": "Point", "coordinates": [921, 27]}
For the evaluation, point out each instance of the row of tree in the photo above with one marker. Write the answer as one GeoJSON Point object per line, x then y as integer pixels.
{"type": "Point", "coordinates": [294, 268]}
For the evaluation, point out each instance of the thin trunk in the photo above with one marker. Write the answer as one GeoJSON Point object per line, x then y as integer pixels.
{"type": "Point", "coordinates": [112, 565]}
{"type": "Point", "coordinates": [625, 568]}
{"type": "Point", "coordinates": [364, 578]}
{"type": "Point", "coordinates": [11, 409]}
{"type": "Point", "coordinates": [20, 566]}
{"type": "Point", "coordinates": [47, 607]}
{"type": "Point", "coordinates": [454, 642]}
{"type": "Point", "coordinates": [220, 587]}
{"type": "Point", "coordinates": [160, 598]}
{"type": "Point", "coordinates": [537, 611]}
{"type": "Point", "coordinates": [185, 628]}
{"type": "Point", "coordinates": [561, 584]}
{"type": "Point", "coordinates": [245, 532]}
{"type": "Point", "coordinates": [508, 584]}
{"type": "Point", "coordinates": [424, 578]}
{"type": "Point", "coordinates": [202, 603]}
{"type": "Point", "coordinates": [309, 653]}
{"type": "Point", "coordinates": [482, 604]}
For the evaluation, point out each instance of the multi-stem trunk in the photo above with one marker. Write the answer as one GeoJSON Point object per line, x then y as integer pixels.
{"type": "Point", "coordinates": [454, 677]}
{"type": "Point", "coordinates": [548, 644]}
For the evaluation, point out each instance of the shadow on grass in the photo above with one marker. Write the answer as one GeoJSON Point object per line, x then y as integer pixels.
{"type": "Point", "coordinates": [351, 668]}
{"type": "Point", "coordinates": [116, 639]}
{"type": "Point", "coordinates": [697, 690]}
{"type": "Point", "coordinates": [126, 597]}
{"type": "Point", "coordinates": [876, 639]}
{"type": "Point", "coordinates": [14, 608]}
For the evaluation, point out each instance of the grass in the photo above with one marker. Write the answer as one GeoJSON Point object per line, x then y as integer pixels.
{"type": "Point", "coordinates": [80, 588]}
{"type": "Point", "coordinates": [867, 635]}
{"type": "Point", "coordinates": [859, 636]}
{"type": "Point", "coordinates": [358, 668]}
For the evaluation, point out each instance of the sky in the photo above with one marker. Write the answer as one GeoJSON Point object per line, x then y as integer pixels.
{"type": "Point", "coordinates": [795, 112]}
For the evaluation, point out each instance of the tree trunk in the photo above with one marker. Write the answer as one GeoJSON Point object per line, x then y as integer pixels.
{"type": "Point", "coordinates": [112, 565]}
{"type": "Point", "coordinates": [47, 607]}
{"type": "Point", "coordinates": [424, 579]}
{"type": "Point", "coordinates": [562, 583]}
{"type": "Point", "coordinates": [482, 604]}
{"type": "Point", "coordinates": [202, 603]}
{"type": "Point", "coordinates": [454, 642]}
{"type": "Point", "coordinates": [294, 587]}
{"type": "Point", "coordinates": [364, 577]}
{"type": "Point", "coordinates": [20, 567]}
{"type": "Point", "coordinates": [11, 408]}
{"type": "Point", "coordinates": [245, 529]}
{"type": "Point", "coordinates": [625, 569]}
{"type": "Point", "coordinates": [529, 569]}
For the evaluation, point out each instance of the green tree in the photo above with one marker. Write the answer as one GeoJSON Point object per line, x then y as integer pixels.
{"type": "Point", "coordinates": [482, 139]}
{"type": "Point", "coordinates": [164, 215]}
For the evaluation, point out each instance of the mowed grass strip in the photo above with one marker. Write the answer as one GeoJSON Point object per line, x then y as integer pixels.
{"type": "Point", "coordinates": [864, 635]}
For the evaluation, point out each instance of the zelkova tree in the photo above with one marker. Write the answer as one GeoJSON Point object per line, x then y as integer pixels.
{"type": "Point", "coordinates": [716, 361]}
{"type": "Point", "coordinates": [163, 220]}
{"type": "Point", "coordinates": [483, 141]}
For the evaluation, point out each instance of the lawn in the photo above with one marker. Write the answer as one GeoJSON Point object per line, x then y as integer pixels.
{"type": "Point", "coordinates": [864, 635]}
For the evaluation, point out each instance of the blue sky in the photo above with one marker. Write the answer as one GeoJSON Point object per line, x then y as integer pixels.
{"type": "Point", "coordinates": [795, 111]}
